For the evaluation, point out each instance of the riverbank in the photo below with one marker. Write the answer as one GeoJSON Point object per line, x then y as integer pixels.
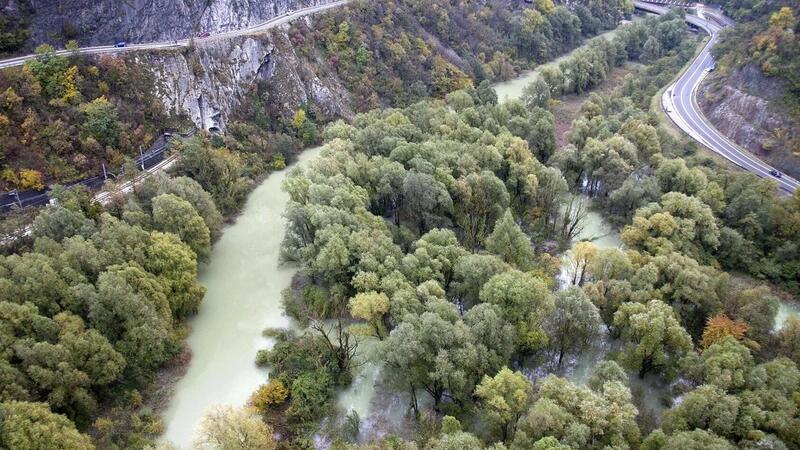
{"type": "Point", "coordinates": [512, 89]}
{"type": "Point", "coordinates": [244, 282]}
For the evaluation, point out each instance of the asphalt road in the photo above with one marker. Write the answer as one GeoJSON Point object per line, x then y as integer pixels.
{"type": "Point", "coordinates": [680, 102]}
{"type": "Point", "coordinates": [255, 29]}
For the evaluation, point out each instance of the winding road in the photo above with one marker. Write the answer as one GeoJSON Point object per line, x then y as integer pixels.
{"type": "Point", "coordinates": [255, 29]}
{"type": "Point", "coordinates": [680, 100]}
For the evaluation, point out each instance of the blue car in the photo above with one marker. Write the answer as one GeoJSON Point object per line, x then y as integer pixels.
{"type": "Point", "coordinates": [120, 44]}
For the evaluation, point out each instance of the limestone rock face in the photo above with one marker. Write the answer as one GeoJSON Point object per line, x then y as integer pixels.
{"type": "Point", "coordinates": [209, 81]}
{"type": "Point", "coordinates": [747, 106]}
{"type": "Point", "coordinates": [100, 22]}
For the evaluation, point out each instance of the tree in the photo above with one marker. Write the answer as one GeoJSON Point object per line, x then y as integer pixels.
{"type": "Point", "coordinates": [571, 219]}
{"type": "Point", "coordinates": [685, 440]}
{"type": "Point", "coordinates": [426, 200]}
{"type": "Point", "coordinates": [575, 323]}
{"type": "Point", "coordinates": [101, 121]}
{"type": "Point", "coordinates": [720, 326]}
{"type": "Point", "coordinates": [503, 398]}
{"type": "Point", "coordinates": [552, 76]}
{"type": "Point", "coordinates": [707, 408]}
{"type": "Point", "coordinates": [32, 426]}
{"type": "Point", "coordinates": [219, 171]}
{"type": "Point", "coordinates": [493, 337]}
{"type": "Point", "coordinates": [226, 428]}
{"type": "Point", "coordinates": [725, 364]}
{"type": "Point", "coordinates": [694, 291]}
{"type": "Point", "coordinates": [536, 94]}
{"type": "Point", "coordinates": [509, 242]}
{"type": "Point", "coordinates": [580, 257]}
{"type": "Point", "coordinates": [175, 266]}
{"type": "Point", "coordinates": [269, 395]}
{"type": "Point", "coordinates": [756, 307]}
{"type": "Point", "coordinates": [789, 339]}
{"type": "Point", "coordinates": [174, 215]}
{"type": "Point", "coordinates": [456, 441]}
{"type": "Point", "coordinates": [131, 310]}
{"type": "Point", "coordinates": [304, 127]}
{"type": "Point", "coordinates": [470, 273]}
{"type": "Point", "coordinates": [651, 50]}
{"type": "Point", "coordinates": [548, 443]}
{"type": "Point", "coordinates": [58, 223]}
{"type": "Point", "coordinates": [480, 200]}
{"type": "Point", "coordinates": [30, 179]}
{"type": "Point", "coordinates": [783, 19]}
{"type": "Point", "coordinates": [435, 350]}
{"type": "Point", "coordinates": [654, 337]}
{"type": "Point", "coordinates": [371, 306]}
{"type": "Point", "coordinates": [49, 70]}
{"type": "Point", "coordinates": [579, 417]}
{"type": "Point", "coordinates": [525, 302]}
{"type": "Point", "coordinates": [189, 190]}
{"type": "Point", "coordinates": [677, 223]}
{"type": "Point", "coordinates": [644, 136]}
{"type": "Point", "coordinates": [606, 371]}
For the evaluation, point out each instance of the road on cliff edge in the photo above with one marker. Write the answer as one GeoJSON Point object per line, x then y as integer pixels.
{"type": "Point", "coordinates": [105, 196]}
{"type": "Point", "coordinates": [680, 100]}
{"type": "Point", "coordinates": [254, 29]}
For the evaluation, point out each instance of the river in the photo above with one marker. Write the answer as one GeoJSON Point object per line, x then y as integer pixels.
{"type": "Point", "coordinates": [512, 89]}
{"type": "Point", "coordinates": [244, 284]}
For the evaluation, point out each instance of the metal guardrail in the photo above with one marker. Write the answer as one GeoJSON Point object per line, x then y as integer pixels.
{"type": "Point", "coordinates": [146, 160]}
{"type": "Point", "coordinates": [673, 3]}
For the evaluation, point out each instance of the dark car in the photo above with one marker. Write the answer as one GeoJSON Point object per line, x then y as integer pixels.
{"type": "Point", "coordinates": [775, 173]}
{"type": "Point", "coordinates": [204, 34]}
{"type": "Point", "coordinates": [120, 44]}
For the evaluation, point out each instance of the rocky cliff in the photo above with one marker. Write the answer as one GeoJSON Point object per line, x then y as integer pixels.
{"type": "Point", "coordinates": [209, 81]}
{"type": "Point", "coordinates": [98, 22]}
{"type": "Point", "coordinates": [748, 107]}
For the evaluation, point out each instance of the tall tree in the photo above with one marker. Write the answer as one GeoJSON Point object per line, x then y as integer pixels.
{"type": "Point", "coordinates": [509, 242]}
{"type": "Point", "coordinates": [574, 325]}
{"type": "Point", "coordinates": [503, 398]}
{"type": "Point", "coordinates": [654, 338]}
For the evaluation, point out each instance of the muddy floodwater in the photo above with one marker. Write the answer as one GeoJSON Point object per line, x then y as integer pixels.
{"type": "Point", "coordinates": [244, 284]}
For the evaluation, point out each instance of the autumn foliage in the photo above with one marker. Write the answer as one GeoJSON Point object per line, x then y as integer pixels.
{"type": "Point", "coordinates": [269, 396]}
{"type": "Point", "coordinates": [721, 326]}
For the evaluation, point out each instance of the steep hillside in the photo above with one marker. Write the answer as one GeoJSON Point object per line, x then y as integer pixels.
{"type": "Point", "coordinates": [108, 21]}
{"type": "Point", "coordinates": [327, 66]}
{"type": "Point", "coordinates": [754, 96]}
{"type": "Point", "coordinates": [751, 109]}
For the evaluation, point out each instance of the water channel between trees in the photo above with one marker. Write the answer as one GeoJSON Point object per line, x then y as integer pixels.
{"type": "Point", "coordinates": [512, 89]}
{"type": "Point", "coordinates": [244, 282]}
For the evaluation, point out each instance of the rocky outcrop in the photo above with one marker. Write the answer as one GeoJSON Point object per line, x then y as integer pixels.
{"type": "Point", "coordinates": [96, 22]}
{"type": "Point", "coordinates": [209, 81]}
{"type": "Point", "coordinates": [747, 107]}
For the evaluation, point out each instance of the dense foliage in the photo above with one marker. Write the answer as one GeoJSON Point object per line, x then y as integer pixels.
{"type": "Point", "coordinates": [95, 307]}
{"type": "Point", "coordinates": [401, 51]}
{"type": "Point", "coordinates": [418, 222]}
{"type": "Point", "coordinates": [766, 39]}
{"type": "Point", "coordinates": [429, 232]}
{"type": "Point", "coordinates": [61, 117]}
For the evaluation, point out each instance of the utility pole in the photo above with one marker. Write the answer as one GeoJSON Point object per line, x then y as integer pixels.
{"type": "Point", "coordinates": [15, 193]}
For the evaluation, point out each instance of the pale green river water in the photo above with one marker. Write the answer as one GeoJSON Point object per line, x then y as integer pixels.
{"type": "Point", "coordinates": [512, 89]}
{"type": "Point", "coordinates": [244, 282]}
